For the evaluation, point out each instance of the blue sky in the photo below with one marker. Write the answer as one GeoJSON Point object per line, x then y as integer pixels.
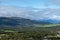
{"type": "Point", "coordinates": [31, 3]}
{"type": "Point", "coordinates": [33, 9]}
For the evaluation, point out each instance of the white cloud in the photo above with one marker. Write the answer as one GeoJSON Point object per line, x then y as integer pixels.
{"type": "Point", "coordinates": [6, 11]}
{"type": "Point", "coordinates": [55, 17]}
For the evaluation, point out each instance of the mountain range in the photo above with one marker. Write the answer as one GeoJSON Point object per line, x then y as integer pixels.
{"type": "Point", "coordinates": [50, 21]}
{"type": "Point", "coordinates": [15, 21]}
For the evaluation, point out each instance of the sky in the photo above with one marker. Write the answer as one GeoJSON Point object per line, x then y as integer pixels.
{"type": "Point", "coordinates": [32, 3]}
{"type": "Point", "coordinates": [32, 9]}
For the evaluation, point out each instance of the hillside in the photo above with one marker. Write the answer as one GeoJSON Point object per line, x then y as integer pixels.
{"type": "Point", "coordinates": [15, 21]}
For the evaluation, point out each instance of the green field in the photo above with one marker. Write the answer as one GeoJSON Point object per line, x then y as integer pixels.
{"type": "Point", "coordinates": [47, 25]}
{"type": "Point", "coordinates": [37, 32]}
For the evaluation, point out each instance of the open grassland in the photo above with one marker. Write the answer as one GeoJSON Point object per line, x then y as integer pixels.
{"type": "Point", "coordinates": [37, 32]}
{"type": "Point", "coordinates": [47, 25]}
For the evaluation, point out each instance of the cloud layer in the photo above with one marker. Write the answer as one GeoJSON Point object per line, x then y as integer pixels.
{"type": "Point", "coordinates": [32, 13]}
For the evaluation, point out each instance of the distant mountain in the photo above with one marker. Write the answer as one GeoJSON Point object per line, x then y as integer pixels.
{"type": "Point", "coordinates": [23, 22]}
{"type": "Point", "coordinates": [17, 21]}
{"type": "Point", "coordinates": [49, 21]}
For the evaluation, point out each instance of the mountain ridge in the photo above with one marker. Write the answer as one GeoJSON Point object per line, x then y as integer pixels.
{"type": "Point", "coordinates": [15, 21]}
